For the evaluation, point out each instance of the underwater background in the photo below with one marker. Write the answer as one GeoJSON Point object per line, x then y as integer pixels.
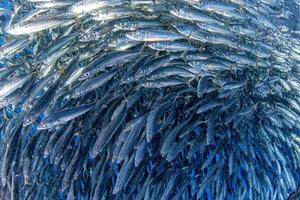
{"type": "Point", "coordinates": [181, 99]}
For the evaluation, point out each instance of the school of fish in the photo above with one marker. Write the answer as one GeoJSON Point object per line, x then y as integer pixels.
{"type": "Point", "coordinates": [150, 99]}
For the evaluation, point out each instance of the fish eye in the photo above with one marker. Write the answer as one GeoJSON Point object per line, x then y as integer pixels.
{"type": "Point", "coordinates": [29, 120]}
{"type": "Point", "coordinates": [12, 75]}
{"type": "Point", "coordinates": [201, 3]}
{"type": "Point", "coordinates": [195, 63]}
{"type": "Point", "coordinates": [122, 23]}
{"type": "Point", "coordinates": [235, 26]}
{"type": "Point", "coordinates": [86, 74]}
{"type": "Point", "coordinates": [134, 33]}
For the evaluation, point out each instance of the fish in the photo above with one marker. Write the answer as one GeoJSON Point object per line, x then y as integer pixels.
{"type": "Point", "coordinates": [131, 138]}
{"type": "Point", "coordinates": [63, 116]}
{"type": "Point", "coordinates": [55, 4]}
{"type": "Point", "coordinates": [163, 82]}
{"type": "Point", "coordinates": [165, 72]}
{"type": "Point", "coordinates": [154, 64]}
{"type": "Point", "coordinates": [123, 175]}
{"type": "Point", "coordinates": [112, 13]}
{"type": "Point", "coordinates": [14, 46]}
{"type": "Point", "coordinates": [109, 130]}
{"type": "Point", "coordinates": [194, 15]}
{"type": "Point", "coordinates": [148, 35]}
{"type": "Point", "coordinates": [9, 86]}
{"type": "Point", "coordinates": [30, 27]}
{"type": "Point", "coordinates": [86, 6]}
{"type": "Point", "coordinates": [131, 25]}
{"type": "Point", "coordinates": [122, 43]}
{"type": "Point", "coordinates": [92, 84]}
{"type": "Point", "coordinates": [106, 61]}
{"type": "Point", "coordinates": [172, 46]}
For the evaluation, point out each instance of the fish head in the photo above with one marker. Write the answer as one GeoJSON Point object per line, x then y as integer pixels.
{"type": "Point", "coordinates": [114, 42]}
{"type": "Point", "coordinates": [190, 57]}
{"type": "Point", "coordinates": [128, 79]}
{"type": "Point", "coordinates": [26, 106]}
{"type": "Point", "coordinates": [156, 45]}
{"type": "Point", "coordinates": [76, 94]}
{"type": "Point", "coordinates": [176, 11]}
{"type": "Point", "coordinates": [153, 77]}
{"type": "Point", "coordinates": [141, 73]}
{"type": "Point", "coordinates": [85, 38]}
{"type": "Point", "coordinates": [14, 29]}
{"type": "Point", "coordinates": [3, 103]}
{"type": "Point", "coordinates": [136, 35]}
{"type": "Point", "coordinates": [200, 4]}
{"type": "Point", "coordinates": [234, 27]}
{"type": "Point", "coordinates": [231, 56]}
{"type": "Point", "coordinates": [42, 126]}
{"type": "Point", "coordinates": [84, 76]}
{"type": "Point", "coordinates": [123, 25]}
{"type": "Point", "coordinates": [194, 63]}
{"type": "Point", "coordinates": [79, 7]}
{"type": "Point", "coordinates": [150, 84]}
{"type": "Point", "coordinates": [202, 24]}
{"type": "Point", "coordinates": [95, 151]}
{"type": "Point", "coordinates": [28, 120]}
{"type": "Point", "coordinates": [179, 26]}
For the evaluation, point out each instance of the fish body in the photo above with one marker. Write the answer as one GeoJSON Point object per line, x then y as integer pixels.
{"type": "Point", "coordinates": [87, 6]}
{"type": "Point", "coordinates": [63, 116]}
{"type": "Point", "coordinates": [148, 35]}
{"type": "Point", "coordinates": [108, 60]}
{"type": "Point", "coordinates": [9, 86]}
{"type": "Point", "coordinates": [172, 46]}
{"type": "Point", "coordinates": [92, 84]}
{"type": "Point", "coordinates": [30, 27]}
{"type": "Point", "coordinates": [132, 25]}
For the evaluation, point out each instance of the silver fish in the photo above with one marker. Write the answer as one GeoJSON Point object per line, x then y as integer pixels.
{"type": "Point", "coordinates": [148, 35]}
{"type": "Point", "coordinates": [30, 27]}
{"type": "Point", "coordinates": [63, 116]}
